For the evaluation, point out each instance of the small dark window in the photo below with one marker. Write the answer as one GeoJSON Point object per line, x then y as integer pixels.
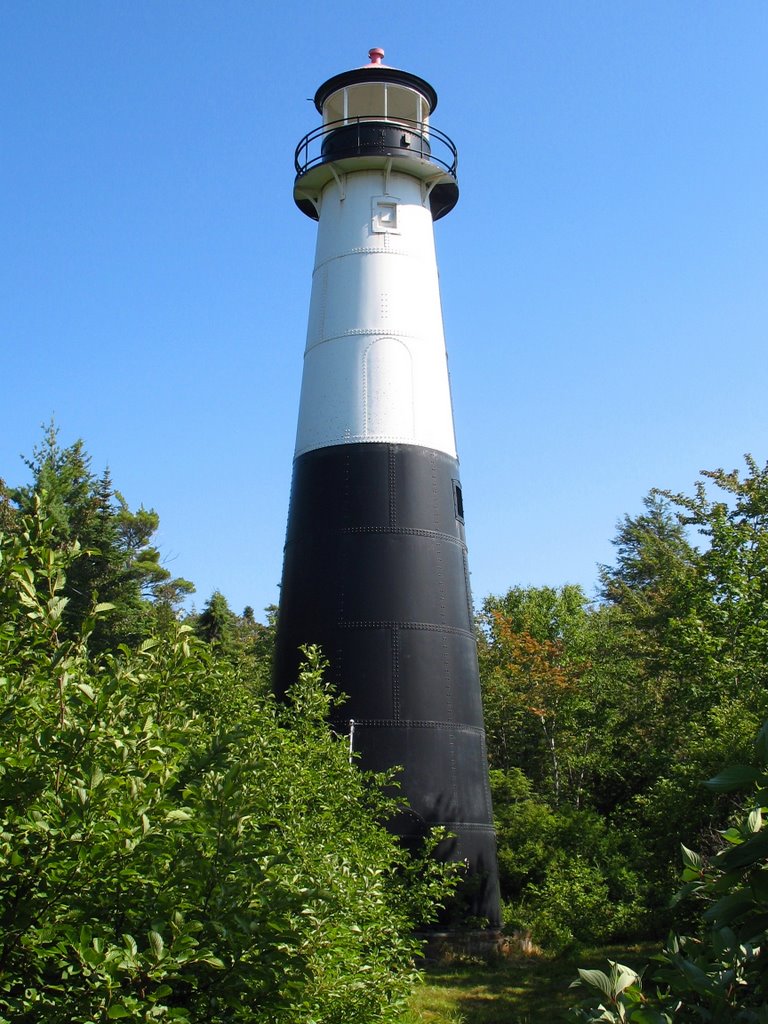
{"type": "Point", "coordinates": [458, 501]}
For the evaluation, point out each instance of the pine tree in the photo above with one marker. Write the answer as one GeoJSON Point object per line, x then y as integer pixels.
{"type": "Point", "coordinates": [117, 563]}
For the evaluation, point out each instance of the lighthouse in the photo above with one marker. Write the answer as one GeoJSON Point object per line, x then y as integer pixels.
{"type": "Point", "coordinates": [375, 563]}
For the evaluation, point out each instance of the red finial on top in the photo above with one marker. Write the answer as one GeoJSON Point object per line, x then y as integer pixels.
{"type": "Point", "coordinates": [376, 55]}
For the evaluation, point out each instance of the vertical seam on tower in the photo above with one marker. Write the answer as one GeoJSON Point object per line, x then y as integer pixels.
{"type": "Point", "coordinates": [346, 513]}
{"type": "Point", "coordinates": [323, 304]}
{"type": "Point", "coordinates": [345, 519]}
{"type": "Point", "coordinates": [392, 478]}
{"type": "Point", "coordinates": [395, 674]}
{"type": "Point", "coordinates": [438, 547]}
{"type": "Point", "coordinates": [454, 782]}
{"type": "Point", "coordinates": [366, 409]}
{"type": "Point", "coordinates": [448, 677]}
{"type": "Point", "coordinates": [468, 590]}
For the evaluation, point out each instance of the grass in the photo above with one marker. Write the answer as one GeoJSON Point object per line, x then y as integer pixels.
{"type": "Point", "coordinates": [523, 990]}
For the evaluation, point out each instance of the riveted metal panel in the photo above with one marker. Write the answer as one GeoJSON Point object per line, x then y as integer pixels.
{"type": "Point", "coordinates": [454, 694]}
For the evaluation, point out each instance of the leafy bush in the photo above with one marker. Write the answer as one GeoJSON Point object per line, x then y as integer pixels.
{"type": "Point", "coordinates": [564, 875]}
{"type": "Point", "coordinates": [718, 975]}
{"type": "Point", "coordinates": [172, 846]}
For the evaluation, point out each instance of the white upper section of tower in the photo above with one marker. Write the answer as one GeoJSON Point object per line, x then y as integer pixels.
{"type": "Point", "coordinates": [375, 363]}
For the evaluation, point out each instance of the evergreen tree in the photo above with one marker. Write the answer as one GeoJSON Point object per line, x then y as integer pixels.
{"type": "Point", "coordinates": [246, 644]}
{"type": "Point", "coordinates": [216, 623]}
{"type": "Point", "coordinates": [116, 564]}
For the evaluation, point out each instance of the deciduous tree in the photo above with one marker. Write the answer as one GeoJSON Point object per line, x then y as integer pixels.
{"type": "Point", "coordinates": [174, 846]}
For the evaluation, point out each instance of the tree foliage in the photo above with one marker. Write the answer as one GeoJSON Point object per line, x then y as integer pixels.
{"type": "Point", "coordinates": [618, 707]}
{"type": "Point", "coordinates": [174, 846]}
{"type": "Point", "coordinates": [601, 716]}
{"type": "Point", "coordinates": [718, 973]}
{"type": "Point", "coordinates": [116, 562]}
{"type": "Point", "coordinates": [247, 645]}
{"type": "Point", "coordinates": [565, 874]}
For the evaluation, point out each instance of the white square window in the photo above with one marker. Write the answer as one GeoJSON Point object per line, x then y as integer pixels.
{"type": "Point", "coordinates": [384, 216]}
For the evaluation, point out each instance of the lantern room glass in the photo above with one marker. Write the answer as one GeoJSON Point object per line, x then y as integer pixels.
{"type": "Point", "coordinates": [376, 101]}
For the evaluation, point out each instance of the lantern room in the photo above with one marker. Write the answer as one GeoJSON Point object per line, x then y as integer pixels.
{"type": "Point", "coordinates": [376, 116]}
{"type": "Point", "coordinates": [376, 92]}
{"type": "Point", "coordinates": [380, 101]}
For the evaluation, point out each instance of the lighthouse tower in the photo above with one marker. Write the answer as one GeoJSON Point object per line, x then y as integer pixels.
{"type": "Point", "coordinates": [375, 567]}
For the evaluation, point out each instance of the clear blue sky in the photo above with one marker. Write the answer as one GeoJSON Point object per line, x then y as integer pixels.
{"type": "Point", "coordinates": [604, 276]}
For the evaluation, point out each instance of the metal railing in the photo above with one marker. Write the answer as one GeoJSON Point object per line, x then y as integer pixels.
{"type": "Point", "coordinates": [430, 143]}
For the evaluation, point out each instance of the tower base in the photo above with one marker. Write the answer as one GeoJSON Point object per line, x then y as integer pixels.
{"type": "Point", "coordinates": [484, 944]}
{"type": "Point", "coordinates": [375, 573]}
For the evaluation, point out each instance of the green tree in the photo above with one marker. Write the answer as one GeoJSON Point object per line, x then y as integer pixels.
{"type": "Point", "coordinates": [559, 722]}
{"type": "Point", "coordinates": [621, 707]}
{"type": "Point", "coordinates": [7, 511]}
{"type": "Point", "coordinates": [718, 972]}
{"type": "Point", "coordinates": [566, 875]}
{"type": "Point", "coordinates": [654, 561]}
{"type": "Point", "coordinates": [246, 644]}
{"type": "Point", "coordinates": [216, 623]}
{"type": "Point", "coordinates": [556, 684]}
{"type": "Point", "coordinates": [174, 846]}
{"type": "Point", "coordinates": [116, 563]}
{"type": "Point", "coordinates": [255, 643]}
{"type": "Point", "coordinates": [695, 618]}
{"type": "Point", "coordinates": [530, 670]}
{"type": "Point", "coordinates": [722, 639]}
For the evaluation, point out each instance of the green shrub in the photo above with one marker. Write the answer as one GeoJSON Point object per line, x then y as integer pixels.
{"type": "Point", "coordinates": [173, 846]}
{"type": "Point", "coordinates": [565, 876]}
{"type": "Point", "coordinates": [718, 974]}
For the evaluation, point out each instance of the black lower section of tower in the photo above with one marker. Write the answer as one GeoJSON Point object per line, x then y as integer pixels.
{"type": "Point", "coordinates": [375, 572]}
